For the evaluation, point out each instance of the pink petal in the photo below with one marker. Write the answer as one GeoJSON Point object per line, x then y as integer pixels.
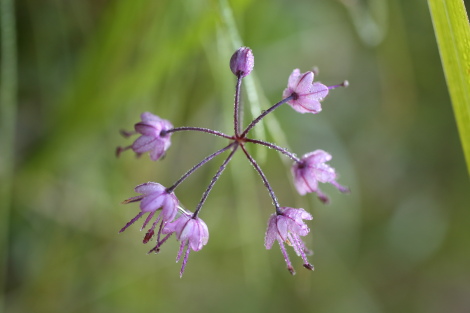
{"type": "Point", "coordinates": [149, 117]}
{"type": "Point", "coordinates": [204, 232]}
{"type": "Point", "coordinates": [318, 90]}
{"type": "Point", "coordinates": [144, 144]}
{"type": "Point", "coordinates": [188, 230]}
{"type": "Point", "coordinates": [325, 173]}
{"type": "Point", "coordinates": [170, 208]}
{"type": "Point", "coordinates": [282, 227]}
{"type": "Point", "coordinates": [147, 129]}
{"type": "Point", "coordinates": [148, 188]}
{"type": "Point", "coordinates": [271, 232]}
{"type": "Point", "coordinates": [308, 104]}
{"type": "Point", "coordinates": [316, 157]}
{"type": "Point", "coordinates": [157, 151]}
{"type": "Point", "coordinates": [305, 84]}
{"type": "Point", "coordinates": [293, 78]}
{"type": "Point", "coordinates": [152, 202]}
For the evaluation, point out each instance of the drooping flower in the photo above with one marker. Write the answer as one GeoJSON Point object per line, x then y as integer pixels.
{"type": "Point", "coordinates": [153, 136]}
{"type": "Point", "coordinates": [306, 94]}
{"type": "Point", "coordinates": [287, 226]}
{"type": "Point", "coordinates": [313, 169]}
{"type": "Point", "coordinates": [154, 197]}
{"type": "Point", "coordinates": [191, 232]}
{"type": "Point", "coordinates": [242, 62]}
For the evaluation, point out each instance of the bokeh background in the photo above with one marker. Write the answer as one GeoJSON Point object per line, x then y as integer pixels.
{"type": "Point", "coordinates": [398, 243]}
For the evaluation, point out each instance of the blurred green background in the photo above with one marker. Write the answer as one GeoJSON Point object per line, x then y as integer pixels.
{"type": "Point", "coordinates": [398, 243]}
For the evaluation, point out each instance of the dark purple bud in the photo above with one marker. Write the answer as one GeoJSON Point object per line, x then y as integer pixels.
{"type": "Point", "coordinates": [242, 62]}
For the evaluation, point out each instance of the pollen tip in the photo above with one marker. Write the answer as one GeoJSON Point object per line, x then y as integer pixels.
{"type": "Point", "coordinates": [291, 270]}
{"type": "Point", "coordinates": [315, 70]}
{"type": "Point", "coordinates": [309, 266]}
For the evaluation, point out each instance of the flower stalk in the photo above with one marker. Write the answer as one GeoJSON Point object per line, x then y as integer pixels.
{"type": "Point", "coordinates": [286, 225]}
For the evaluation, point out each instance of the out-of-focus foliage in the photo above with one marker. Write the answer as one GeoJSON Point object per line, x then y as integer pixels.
{"type": "Point", "coordinates": [398, 242]}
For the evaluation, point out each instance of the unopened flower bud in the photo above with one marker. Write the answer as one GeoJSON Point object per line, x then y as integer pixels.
{"type": "Point", "coordinates": [242, 62]}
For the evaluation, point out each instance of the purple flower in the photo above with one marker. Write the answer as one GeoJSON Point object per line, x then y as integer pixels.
{"type": "Point", "coordinates": [153, 197]}
{"type": "Point", "coordinates": [306, 94]}
{"type": "Point", "coordinates": [191, 231]}
{"type": "Point", "coordinates": [312, 169]}
{"type": "Point", "coordinates": [154, 137]}
{"type": "Point", "coordinates": [242, 62]}
{"type": "Point", "coordinates": [287, 226]}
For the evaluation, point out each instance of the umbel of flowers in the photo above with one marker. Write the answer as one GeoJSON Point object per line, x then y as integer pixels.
{"type": "Point", "coordinates": [165, 216]}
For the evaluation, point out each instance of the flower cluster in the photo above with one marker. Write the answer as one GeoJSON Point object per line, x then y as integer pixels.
{"type": "Point", "coordinates": [286, 225]}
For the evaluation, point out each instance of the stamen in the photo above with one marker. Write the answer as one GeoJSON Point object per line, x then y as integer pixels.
{"type": "Point", "coordinates": [341, 188]}
{"type": "Point", "coordinates": [151, 231]}
{"type": "Point", "coordinates": [119, 150]}
{"type": "Point", "coordinates": [309, 266]}
{"type": "Point", "coordinates": [343, 84]}
{"type": "Point", "coordinates": [127, 133]}
{"type": "Point", "coordinates": [315, 70]}
{"type": "Point", "coordinates": [286, 258]}
{"type": "Point", "coordinates": [148, 220]}
{"type": "Point", "coordinates": [299, 248]}
{"type": "Point", "coordinates": [133, 199]}
{"type": "Point", "coordinates": [323, 198]}
{"type": "Point", "coordinates": [185, 260]}
{"type": "Point", "coordinates": [132, 221]}
{"type": "Point", "coordinates": [148, 235]}
{"type": "Point", "coordinates": [180, 252]}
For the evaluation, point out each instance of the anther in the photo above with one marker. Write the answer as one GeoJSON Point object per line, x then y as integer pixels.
{"type": "Point", "coordinates": [343, 84]}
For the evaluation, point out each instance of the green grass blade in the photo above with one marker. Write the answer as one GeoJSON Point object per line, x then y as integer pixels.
{"type": "Point", "coordinates": [8, 102]}
{"type": "Point", "coordinates": [453, 38]}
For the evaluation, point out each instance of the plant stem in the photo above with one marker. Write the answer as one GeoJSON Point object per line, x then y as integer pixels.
{"type": "Point", "coordinates": [263, 177]}
{"type": "Point", "coordinates": [236, 106]}
{"type": "Point", "coordinates": [262, 115]}
{"type": "Point", "coordinates": [199, 129]}
{"type": "Point", "coordinates": [215, 178]}
{"type": "Point", "coordinates": [195, 167]}
{"type": "Point", "coordinates": [275, 147]}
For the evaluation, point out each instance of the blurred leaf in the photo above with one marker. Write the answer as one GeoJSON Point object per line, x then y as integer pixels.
{"type": "Point", "coordinates": [453, 38]}
{"type": "Point", "coordinates": [8, 103]}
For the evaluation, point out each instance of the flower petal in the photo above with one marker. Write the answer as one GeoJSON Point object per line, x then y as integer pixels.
{"type": "Point", "coordinates": [318, 90]}
{"type": "Point", "coordinates": [144, 144]}
{"type": "Point", "coordinates": [148, 188]}
{"type": "Point", "coordinates": [147, 129]}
